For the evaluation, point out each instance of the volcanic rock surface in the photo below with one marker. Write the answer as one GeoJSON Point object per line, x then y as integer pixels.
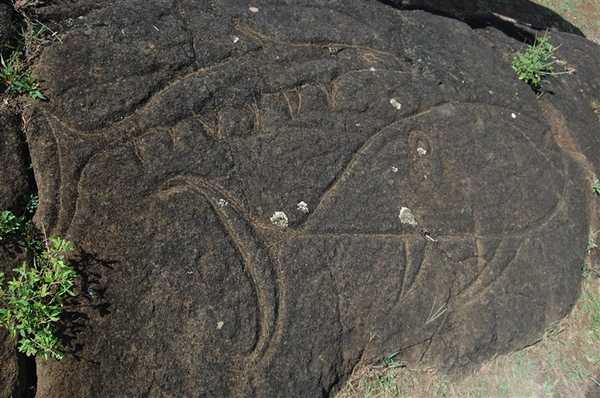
{"type": "Point", "coordinates": [8, 24]}
{"type": "Point", "coordinates": [445, 207]}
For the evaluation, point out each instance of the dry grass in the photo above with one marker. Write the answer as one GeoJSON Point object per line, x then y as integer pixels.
{"type": "Point", "coordinates": [565, 363]}
{"type": "Point", "coordinates": [585, 14]}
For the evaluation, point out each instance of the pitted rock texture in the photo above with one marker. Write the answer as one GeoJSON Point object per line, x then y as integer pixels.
{"type": "Point", "coordinates": [16, 182]}
{"type": "Point", "coordinates": [8, 28]}
{"type": "Point", "coordinates": [176, 130]}
{"type": "Point", "coordinates": [9, 368]}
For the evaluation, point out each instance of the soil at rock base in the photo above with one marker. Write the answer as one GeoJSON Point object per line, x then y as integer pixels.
{"type": "Point", "coordinates": [585, 14]}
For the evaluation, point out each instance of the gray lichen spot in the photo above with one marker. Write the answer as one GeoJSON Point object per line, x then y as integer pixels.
{"type": "Point", "coordinates": [280, 219]}
{"type": "Point", "coordinates": [406, 216]}
{"type": "Point", "coordinates": [396, 104]}
{"type": "Point", "coordinates": [302, 206]}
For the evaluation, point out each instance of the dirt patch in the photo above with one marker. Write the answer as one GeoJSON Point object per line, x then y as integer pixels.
{"type": "Point", "coordinates": [585, 14]}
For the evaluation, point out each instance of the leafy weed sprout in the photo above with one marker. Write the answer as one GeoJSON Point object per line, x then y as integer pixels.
{"type": "Point", "coordinates": [596, 187]}
{"type": "Point", "coordinates": [31, 303]}
{"type": "Point", "coordinates": [17, 79]}
{"type": "Point", "coordinates": [9, 224]}
{"type": "Point", "coordinates": [537, 62]}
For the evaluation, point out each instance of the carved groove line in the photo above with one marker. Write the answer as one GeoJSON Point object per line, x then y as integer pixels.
{"type": "Point", "coordinates": [255, 258]}
{"type": "Point", "coordinates": [347, 169]}
{"type": "Point", "coordinates": [262, 38]}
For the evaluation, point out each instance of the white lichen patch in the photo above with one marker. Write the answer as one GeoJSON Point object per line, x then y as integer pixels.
{"type": "Point", "coordinates": [396, 104]}
{"type": "Point", "coordinates": [253, 9]}
{"type": "Point", "coordinates": [406, 216]}
{"type": "Point", "coordinates": [280, 219]}
{"type": "Point", "coordinates": [422, 151]}
{"type": "Point", "coordinates": [302, 206]}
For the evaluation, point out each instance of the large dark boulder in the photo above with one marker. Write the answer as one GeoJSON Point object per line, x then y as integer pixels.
{"type": "Point", "coordinates": [447, 207]}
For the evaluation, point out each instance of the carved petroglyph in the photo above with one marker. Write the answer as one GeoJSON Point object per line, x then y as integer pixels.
{"type": "Point", "coordinates": [255, 257]}
{"type": "Point", "coordinates": [367, 202]}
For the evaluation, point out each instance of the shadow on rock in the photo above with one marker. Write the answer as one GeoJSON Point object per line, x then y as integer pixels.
{"type": "Point", "coordinates": [90, 302]}
{"type": "Point", "coordinates": [513, 17]}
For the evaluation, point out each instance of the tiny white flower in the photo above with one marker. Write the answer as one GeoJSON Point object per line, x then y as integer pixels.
{"type": "Point", "coordinates": [220, 325]}
{"type": "Point", "coordinates": [280, 219]}
{"type": "Point", "coordinates": [235, 39]}
{"type": "Point", "coordinates": [422, 151]}
{"type": "Point", "coordinates": [372, 69]}
{"type": "Point", "coordinates": [303, 207]}
{"type": "Point", "coordinates": [394, 169]}
{"type": "Point", "coordinates": [222, 203]}
{"type": "Point", "coordinates": [253, 9]}
{"type": "Point", "coordinates": [513, 115]}
{"type": "Point", "coordinates": [396, 104]}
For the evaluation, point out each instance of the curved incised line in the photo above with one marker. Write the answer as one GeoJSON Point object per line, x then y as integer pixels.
{"type": "Point", "coordinates": [263, 37]}
{"type": "Point", "coordinates": [329, 195]}
{"type": "Point", "coordinates": [255, 257]}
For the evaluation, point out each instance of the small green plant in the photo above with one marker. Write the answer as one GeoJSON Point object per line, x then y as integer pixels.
{"type": "Point", "coordinates": [390, 362]}
{"type": "Point", "coordinates": [592, 306]}
{"type": "Point", "coordinates": [32, 302]}
{"type": "Point", "coordinates": [19, 229]}
{"type": "Point", "coordinates": [591, 244]}
{"type": "Point", "coordinates": [537, 62]}
{"type": "Point", "coordinates": [32, 204]}
{"type": "Point", "coordinates": [10, 225]}
{"type": "Point", "coordinates": [17, 79]}
{"type": "Point", "coordinates": [596, 187]}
